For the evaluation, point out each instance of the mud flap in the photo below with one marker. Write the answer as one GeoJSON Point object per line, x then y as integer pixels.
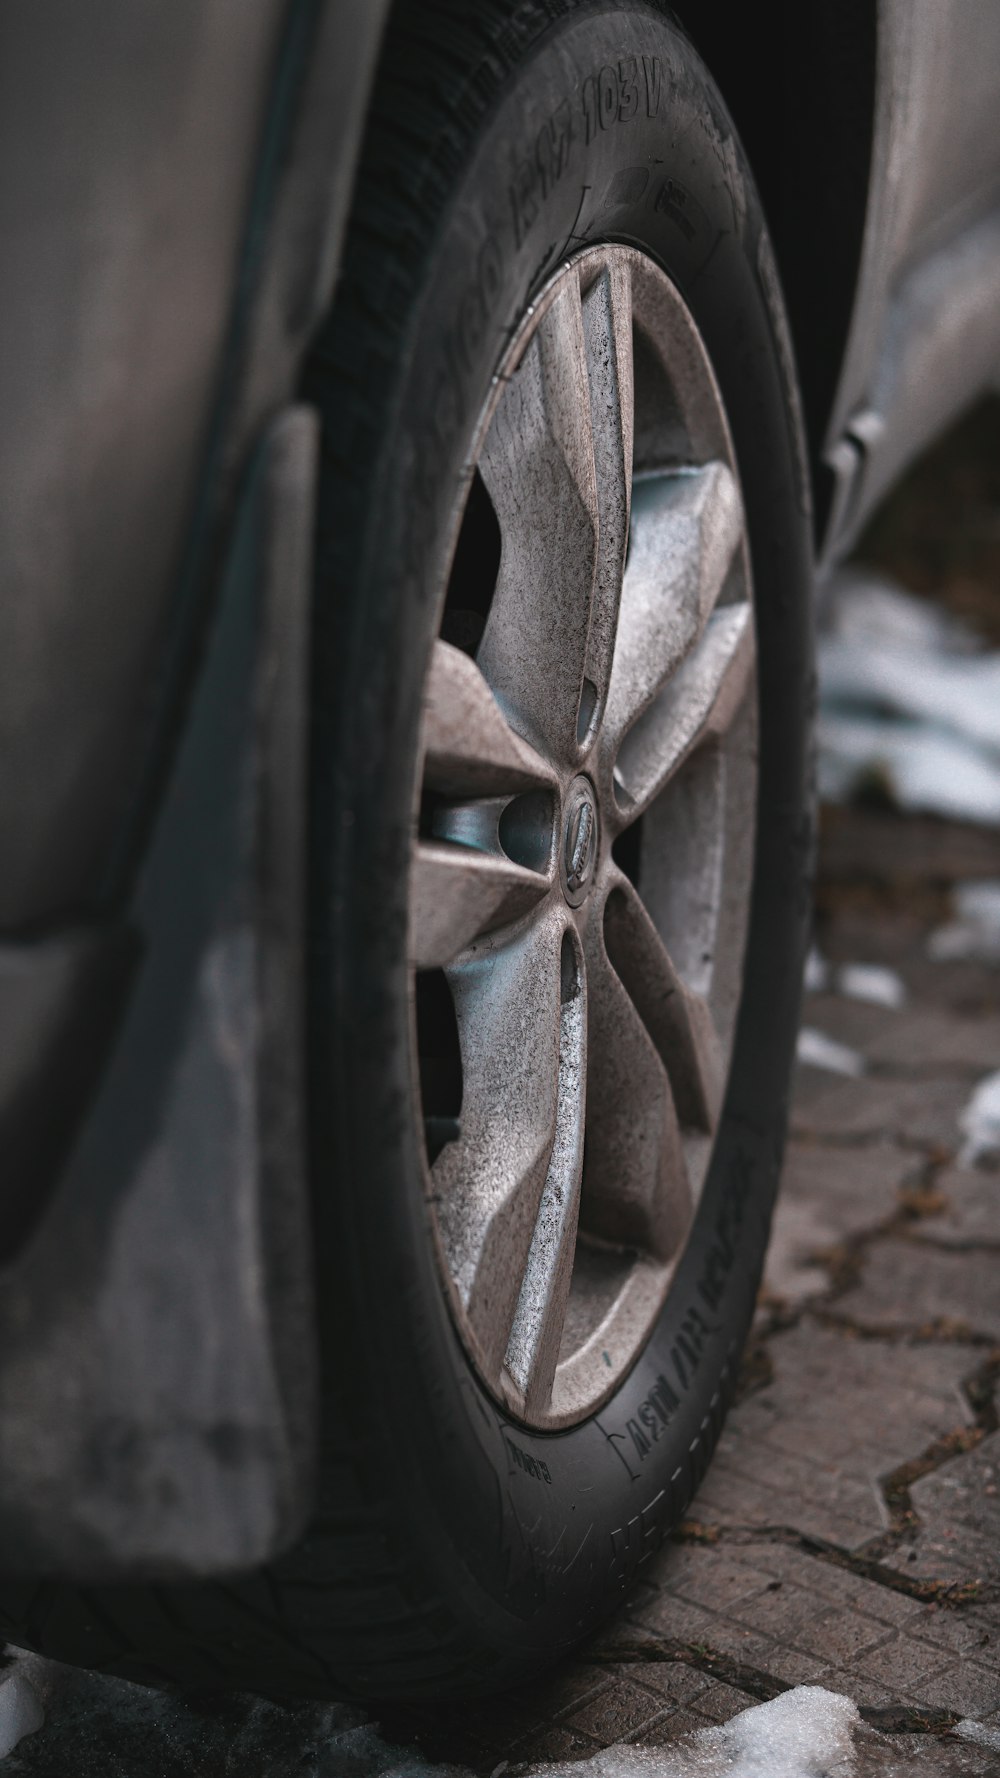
{"type": "Point", "coordinates": [157, 1355]}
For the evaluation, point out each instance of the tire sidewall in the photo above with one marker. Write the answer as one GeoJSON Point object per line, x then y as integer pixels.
{"type": "Point", "coordinates": [533, 1538]}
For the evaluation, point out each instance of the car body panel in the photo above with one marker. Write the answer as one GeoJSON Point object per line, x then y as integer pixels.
{"type": "Point", "coordinates": [925, 332]}
{"type": "Point", "coordinates": [158, 1376]}
{"type": "Point", "coordinates": [122, 203]}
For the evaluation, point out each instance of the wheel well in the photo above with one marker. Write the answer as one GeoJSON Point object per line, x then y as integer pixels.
{"type": "Point", "coordinates": [799, 81]}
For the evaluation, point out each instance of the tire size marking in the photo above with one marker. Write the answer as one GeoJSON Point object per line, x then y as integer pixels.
{"type": "Point", "coordinates": [650, 1421]}
{"type": "Point", "coordinates": [537, 173]}
{"type": "Point", "coordinates": [532, 1466]}
{"type": "Point", "coordinates": [614, 95]}
{"type": "Point", "coordinates": [637, 1438]}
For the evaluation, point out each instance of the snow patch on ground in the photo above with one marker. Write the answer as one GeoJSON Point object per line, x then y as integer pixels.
{"type": "Point", "coordinates": [856, 981]}
{"type": "Point", "coordinates": [21, 1712]}
{"type": "Point", "coordinates": [94, 1725]}
{"type": "Point", "coordinates": [820, 1051]}
{"type": "Point", "coordinates": [909, 701]}
{"type": "Point", "coordinates": [913, 766]}
{"type": "Point", "coordinates": [979, 1122]}
{"type": "Point", "coordinates": [974, 932]}
{"type": "Point", "coordinates": [979, 1732]}
{"type": "Point", "coordinates": [871, 982]}
{"type": "Point", "coordinates": [804, 1733]}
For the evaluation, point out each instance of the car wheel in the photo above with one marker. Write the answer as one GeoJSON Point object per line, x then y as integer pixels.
{"type": "Point", "coordinates": [560, 841]}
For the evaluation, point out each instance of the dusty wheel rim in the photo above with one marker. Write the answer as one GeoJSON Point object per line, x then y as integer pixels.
{"type": "Point", "coordinates": [582, 858]}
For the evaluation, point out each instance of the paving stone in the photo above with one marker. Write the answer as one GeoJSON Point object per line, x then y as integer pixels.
{"type": "Point", "coordinates": [917, 1036]}
{"type": "Point", "coordinates": [670, 1615]}
{"type": "Point", "coordinates": [866, 1692]}
{"type": "Point", "coordinates": [965, 1630]}
{"type": "Point", "coordinates": [906, 1665]}
{"type": "Point", "coordinates": [908, 1283]}
{"type": "Point", "coordinates": [858, 1023]}
{"type": "Point", "coordinates": [616, 1713]}
{"type": "Point", "coordinates": [969, 987]}
{"type": "Point", "coordinates": [780, 1613]}
{"type": "Point", "coordinates": [840, 1413]}
{"type": "Point", "coordinates": [827, 1583]}
{"type": "Point", "coordinates": [958, 1507]}
{"type": "Point", "coordinates": [934, 1037]}
{"type": "Point", "coordinates": [875, 933]}
{"type": "Point", "coordinates": [718, 1702]}
{"type": "Point", "coordinates": [673, 1726]}
{"type": "Point", "coordinates": [807, 1494]}
{"type": "Point", "coordinates": [920, 1112]}
{"type": "Point", "coordinates": [970, 1211]}
{"type": "Point", "coordinates": [969, 1688]}
{"type": "Point", "coordinates": [828, 1195]}
{"type": "Point", "coordinates": [793, 1666]}
{"type": "Point", "coordinates": [563, 1691]}
{"type": "Point", "coordinates": [896, 1610]}
{"type": "Point", "coordinates": [709, 1577]}
{"type": "Point", "coordinates": [840, 1634]}
{"type": "Point", "coordinates": [670, 1682]}
{"type": "Point", "coordinates": [919, 1756]}
{"type": "Point", "coordinates": [858, 845]}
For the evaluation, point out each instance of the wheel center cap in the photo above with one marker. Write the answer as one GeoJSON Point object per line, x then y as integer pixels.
{"type": "Point", "coordinates": [580, 841]}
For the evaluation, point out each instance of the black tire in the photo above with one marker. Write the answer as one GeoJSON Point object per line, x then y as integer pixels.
{"type": "Point", "coordinates": [455, 1551]}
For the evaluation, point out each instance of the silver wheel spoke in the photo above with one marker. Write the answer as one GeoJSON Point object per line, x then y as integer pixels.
{"type": "Point", "coordinates": [471, 749]}
{"type": "Point", "coordinates": [697, 704]}
{"type": "Point", "coordinates": [538, 468]}
{"type": "Point", "coordinates": [488, 1184]}
{"type": "Point", "coordinates": [607, 323]}
{"type": "Point", "coordinates": [677, 1020]}
{"type": "Point", "coordinates": [685, 531]}
{"type": "Point", "coordinates": [533, 1346]}
{"type": "Point", "coordinates": [635, 1185]}
{"type": "Point", "coordinates": [457, 895]}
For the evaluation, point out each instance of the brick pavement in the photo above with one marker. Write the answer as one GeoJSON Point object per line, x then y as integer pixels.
{"type": "Point", "coordinates": [848, 1531]}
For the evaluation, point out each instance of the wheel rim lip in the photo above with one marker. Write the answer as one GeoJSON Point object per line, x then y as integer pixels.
{"type": "Point", "coordinates": [619, 1339]}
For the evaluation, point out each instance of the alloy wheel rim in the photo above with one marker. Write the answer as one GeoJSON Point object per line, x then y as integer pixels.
{"type": "Point", "coordinates": [582, 858]}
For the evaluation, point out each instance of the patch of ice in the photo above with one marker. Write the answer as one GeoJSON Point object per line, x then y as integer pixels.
{"type": "Point", "coordinates": [974, 932]}
{"type": "Point", "coordinates": [908, 697]}
{"type": "Point", "coordinates": [871, 982]}
{"type": "Point", "coordinates": [980, 1732]}
{"type": "Point", "coordinates": [857, 981]}
{"type": "Point", "coordinates": [21, 1712]}
{"type": "Point", "coordinates": [804, 1733]}
{"type": "Point", "coordinates": [979, 1122]}
{"type": "Point", "coordinates": [821, 1051]}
